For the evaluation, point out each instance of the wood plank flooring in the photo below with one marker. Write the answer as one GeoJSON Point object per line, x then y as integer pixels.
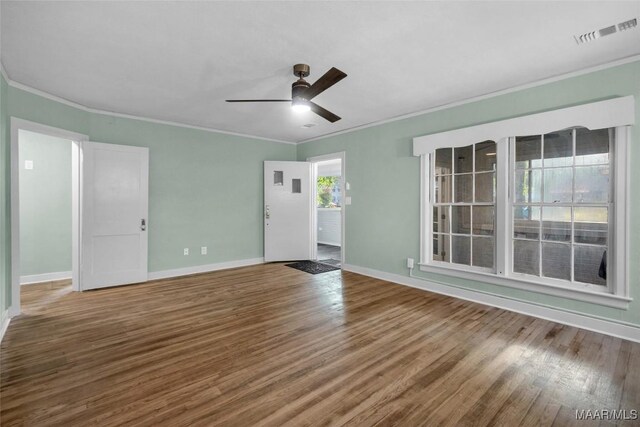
{"type": "Point", "coordinates": [270, 346]}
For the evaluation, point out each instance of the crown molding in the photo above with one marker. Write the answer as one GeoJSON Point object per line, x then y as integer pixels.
{"type": "Point", "coordinates": [46, 95]}
{"type": "Point", "coordinates": [4, 72]}
{"type": "Point", "coordinates": [536, 83]}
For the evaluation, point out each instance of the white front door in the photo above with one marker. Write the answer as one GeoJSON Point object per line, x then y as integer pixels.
{"type": "Point", "coordinates": [114, 203]}
{"type": "Point", "coordinates": [287, 211]}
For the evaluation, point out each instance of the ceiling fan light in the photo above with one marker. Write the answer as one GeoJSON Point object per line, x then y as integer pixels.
{"type": "Point", "coordinates": [300, 106]}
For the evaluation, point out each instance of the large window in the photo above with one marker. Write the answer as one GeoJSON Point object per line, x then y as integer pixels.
{"type": "Point", "coordinates": [543, 211]}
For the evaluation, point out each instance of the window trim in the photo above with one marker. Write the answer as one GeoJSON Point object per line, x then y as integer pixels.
{"type": "Point", "coordinates": [618, 295]}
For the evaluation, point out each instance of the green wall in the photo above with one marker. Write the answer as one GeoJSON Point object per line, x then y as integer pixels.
{"type": "Point", "coordinates": [205, 188]}
{"type": "Point", "coordinates": [380, 167]}
{"type": "Point", "coordinates": [45, 204]}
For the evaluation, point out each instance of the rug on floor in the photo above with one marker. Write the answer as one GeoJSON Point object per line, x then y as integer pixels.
{"type": "Point", "coordinates": [312, 267]}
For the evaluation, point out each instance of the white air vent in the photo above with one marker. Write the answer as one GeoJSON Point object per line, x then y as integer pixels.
{"type": "Point", "coordinates": [593, 35]}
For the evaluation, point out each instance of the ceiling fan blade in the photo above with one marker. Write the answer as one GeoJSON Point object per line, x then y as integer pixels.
{"type": "Point", "coordinates": [329, 78]}
{"type": "Point", "coordinates": [258, 100]}
{"type": "Point", "coordinates": [326, 114]}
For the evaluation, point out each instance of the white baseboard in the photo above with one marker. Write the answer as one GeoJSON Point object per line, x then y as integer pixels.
{"type": "Point", "coordinates": [45, 277]}
{"type": "Point", "coordinates": [4, 323]}
{"type": "Point", "coordinates": [618, 329]}
{"type": "Point", "coordinates": [164, 274]}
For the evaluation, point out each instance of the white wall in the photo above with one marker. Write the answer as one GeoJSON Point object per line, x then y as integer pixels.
{"type": "Point", "coordinates": [329, 226]}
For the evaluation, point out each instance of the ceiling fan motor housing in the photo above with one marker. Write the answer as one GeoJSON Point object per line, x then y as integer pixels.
{"type": "Point", "coordinates": [298, 88]}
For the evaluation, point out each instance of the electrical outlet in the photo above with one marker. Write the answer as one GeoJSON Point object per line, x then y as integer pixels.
{"type": "Point", "coordinates": [203, 250]}
{"type": "Point", "coordinates": [409, 262]}
{"type": "Point", "coordinates": [186, 251]}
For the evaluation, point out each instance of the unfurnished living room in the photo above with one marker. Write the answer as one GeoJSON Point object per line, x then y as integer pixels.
{"type": "Point", "coordinates": [399, 213]}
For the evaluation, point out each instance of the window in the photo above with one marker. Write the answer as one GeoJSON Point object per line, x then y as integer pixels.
{"type": "Point", "coordinates": [562, 193]}
{"type": "Point", "coordinates": [540, 211]}
{"type": "Point", "coordinates": [464, 205]}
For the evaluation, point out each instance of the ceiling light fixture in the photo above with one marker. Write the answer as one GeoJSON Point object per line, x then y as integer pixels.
{"type": "Point", "coordinates": [300, 105]}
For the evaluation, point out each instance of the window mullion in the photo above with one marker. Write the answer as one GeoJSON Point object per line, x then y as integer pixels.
{"type": "Point", "coordinates": [504, 165]}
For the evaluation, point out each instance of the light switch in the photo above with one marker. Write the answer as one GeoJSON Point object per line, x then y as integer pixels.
{"type": "Point", "coordinates": [347, 186]}
{"type": "Point", "coordinates": [347, 200]}
{"type": "Point", "coordinates": [28, 164]}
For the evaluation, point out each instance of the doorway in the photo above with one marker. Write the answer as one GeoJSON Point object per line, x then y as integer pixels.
{"type": "Point", "coordinates": [45, 207]}
{"type": "Point", "coordinates": [329, 192]}
{"type": "Point", "coordinates": [57, 217]}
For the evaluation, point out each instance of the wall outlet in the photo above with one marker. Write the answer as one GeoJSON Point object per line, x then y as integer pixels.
{"type": "Point", "coordinates": [28, 164]}
{"type": "Point", "coordinates": [409, 262]}
{"type": "Point", "coordinates": [186, 251]}
{"type": "Point", "coordinates": [203, 250]}
{"type": "Point", "coordinates": [347, 200]}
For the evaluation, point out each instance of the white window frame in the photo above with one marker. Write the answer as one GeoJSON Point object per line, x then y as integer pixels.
{"type": "Point", "coordinates": [616, 113]}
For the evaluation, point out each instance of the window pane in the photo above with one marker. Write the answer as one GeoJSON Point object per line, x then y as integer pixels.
{"type": "Point", "coordinates": [556, 223]}
{"type": "Point", "coordinates": [483, 251]}
{"type": "Point", "coordinates": [441, 247]}
{"type": "Point", "coordinates": [558, 185]}
{"type": "Point", "coordinates": [483, 219]}
{"type": "Point", "coordinates": [528, 188]}
{"type": "Point", "coordinates": [592, 146]}
{"type": "Point", "coordinates": [461, 250]}
{"type": "Point", "coordinates": [589, 265]}
{"type": "Point", "coordinates": [463, 159]}
{"type": "Point", "coordinates": [485, 187]}
{"type": "Point", "coordinates": [461, 219]}
{"type": "Point", "coordinates": [526, 222]}
{"type": "Point", "coordinates": [528, 151]}
{"type": "Point", "coordinates": [486, 156]}
{"type": "Point", "coordinates": [592, 184]}
{"type": "Point", "coordinates": [591, 225]}
{"type": "Point", "coordinates": [464, 189]}
{"type": "Point", "coordinates": [556, 260]}
{"type": "Point", "coordinates": [441, 219]}
{"type": "Point", "coordinates": [443, 161]}
{"type": "Point", "coordinates": [526, 257]}
{"type": "Point", "coordinates": [443, 189]}
{"type": "Point", "coordinates": [558, 148]}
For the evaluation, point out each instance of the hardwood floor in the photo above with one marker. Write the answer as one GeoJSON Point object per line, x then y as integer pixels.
{"type": "Point", "coordinates": [270, 345]}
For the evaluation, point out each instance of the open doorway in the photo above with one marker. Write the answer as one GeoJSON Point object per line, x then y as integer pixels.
{"type": "Point", "coordinates": [329, 208]}
{"type": "Point", "coordinates": [44, 207]}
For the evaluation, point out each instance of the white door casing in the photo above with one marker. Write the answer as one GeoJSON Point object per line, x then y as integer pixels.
{"type": "Point", "coordinates": [287, 211]}
{"type": "Point", "coordinates": [115, 193]}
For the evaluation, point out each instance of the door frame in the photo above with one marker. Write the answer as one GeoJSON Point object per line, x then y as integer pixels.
{"type": "Point", "coordinates": [341, 155]}
{"type": "Point", "coordinates": [76, 159]}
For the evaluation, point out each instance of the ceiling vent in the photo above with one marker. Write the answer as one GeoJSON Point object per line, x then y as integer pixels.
{"type": "Point", "coordinates": [593, 35]}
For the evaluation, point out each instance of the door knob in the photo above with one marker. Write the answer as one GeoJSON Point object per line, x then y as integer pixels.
{"type": "Point", "coordinates": [143, 224]}
{"type": "Point", "coordinates": [267, 214]}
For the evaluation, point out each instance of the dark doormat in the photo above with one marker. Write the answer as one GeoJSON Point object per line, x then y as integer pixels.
{"type": "Point", "coordinates": [330, 261]}
{"type": "Point", "coordinates": [312, 267]}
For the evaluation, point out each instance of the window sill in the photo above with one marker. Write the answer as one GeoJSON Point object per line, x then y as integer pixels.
{"type": "Point", "coordinates": [584, 295]}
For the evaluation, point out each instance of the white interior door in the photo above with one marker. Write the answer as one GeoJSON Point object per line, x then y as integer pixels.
{"type": "Point", "coordinates": [287, 212]}
{"type": "Point", "coordinates": [115, 199]}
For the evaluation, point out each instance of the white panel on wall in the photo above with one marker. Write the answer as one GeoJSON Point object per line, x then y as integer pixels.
{"type": "Point", "coordinates": [329, 226]}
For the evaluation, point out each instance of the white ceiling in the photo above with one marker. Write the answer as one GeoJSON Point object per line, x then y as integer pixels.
{"type": "Point", "coordinates": [179, 61]}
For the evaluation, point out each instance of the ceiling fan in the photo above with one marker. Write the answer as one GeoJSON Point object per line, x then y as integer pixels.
{"type": "Point", "coordinates": [302, 92]}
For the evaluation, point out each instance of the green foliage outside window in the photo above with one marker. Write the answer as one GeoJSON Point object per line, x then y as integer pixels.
{"type": "Point", "coordinates": [325, 188]}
